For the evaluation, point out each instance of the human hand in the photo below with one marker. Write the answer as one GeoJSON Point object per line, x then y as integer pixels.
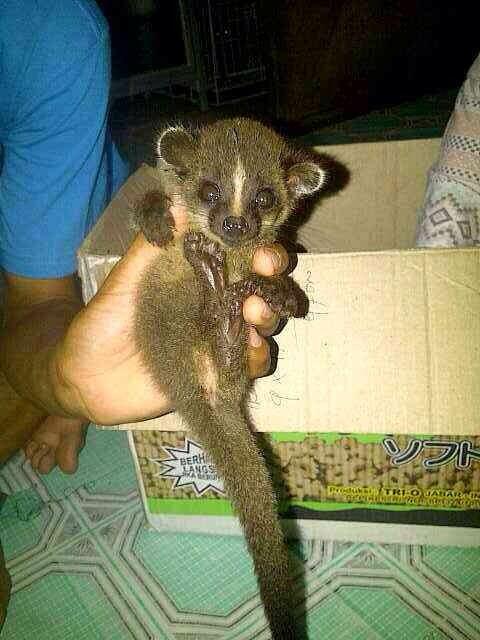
{"type": "Point", "coordinates": [99, 371]}
{"type": "Point", "coordinates": [268, 260]}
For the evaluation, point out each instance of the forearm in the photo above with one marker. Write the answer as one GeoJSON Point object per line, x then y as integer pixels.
{"type": "Point", "coordinates": [28, 347]}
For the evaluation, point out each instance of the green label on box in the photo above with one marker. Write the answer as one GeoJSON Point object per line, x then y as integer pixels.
{"type": "Point", "coordinates": [319, 471]}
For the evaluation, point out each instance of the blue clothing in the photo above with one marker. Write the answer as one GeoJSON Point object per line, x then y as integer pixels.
{"type": "Point", "coordinates": [58, 165]}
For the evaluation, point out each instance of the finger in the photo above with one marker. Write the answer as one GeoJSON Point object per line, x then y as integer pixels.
{"type": "Point", "coordinates": [257, 312]}
{"type": "Point", "coordinates": [43, 450]}
{"type": "Point", "coordinates": [258, 354]}
{"type": "Point", "coordinates": [270, 260]}
{"type": "Point", "coordinates": [47, 462]}
{"type": "Point", "coordinates": [180, 217]}
{"type": "Point", "coordinates": [30, 449]}
{"type": "Point", "coordinates": [67, 454]}
{"type": "Point", "coordinates": [130, 268]}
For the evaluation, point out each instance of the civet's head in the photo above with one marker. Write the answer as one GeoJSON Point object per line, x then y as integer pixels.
{"type": "Point", "coordinates": [239, 178]}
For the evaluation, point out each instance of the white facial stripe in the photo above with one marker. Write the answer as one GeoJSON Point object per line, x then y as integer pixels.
{"type": "Point", "coordinates": [239, 178]}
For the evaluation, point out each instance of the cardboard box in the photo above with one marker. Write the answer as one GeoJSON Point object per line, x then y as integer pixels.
{"type": "Point", "coordinates": [391, 345]}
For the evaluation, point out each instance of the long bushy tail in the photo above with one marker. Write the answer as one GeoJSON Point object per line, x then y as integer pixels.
{"type": "Point", "coordinates": [229, 442]}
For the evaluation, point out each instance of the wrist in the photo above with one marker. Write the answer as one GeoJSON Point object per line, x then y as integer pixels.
{"type": "Point", "coordinates": [64, 393]}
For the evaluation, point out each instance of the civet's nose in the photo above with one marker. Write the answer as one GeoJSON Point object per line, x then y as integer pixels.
{"type": "Point", "coordinates": [235, 226]}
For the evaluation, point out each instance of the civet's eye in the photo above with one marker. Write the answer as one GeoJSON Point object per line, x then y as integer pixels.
{"type": "Point", "coordinates": [265, 199]}
{"type": "Point", "coordinates": [209, 192]}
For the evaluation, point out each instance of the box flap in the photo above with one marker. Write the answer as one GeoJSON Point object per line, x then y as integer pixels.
{"type": "Point", "coordinates": [377, 210]}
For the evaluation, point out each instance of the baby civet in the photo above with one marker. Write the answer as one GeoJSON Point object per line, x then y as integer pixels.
{"type": "Point", "coordinates": [239, 181]}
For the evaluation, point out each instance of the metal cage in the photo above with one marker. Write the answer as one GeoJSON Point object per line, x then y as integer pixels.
{"type": "Point", "coordinates": [227, 45]}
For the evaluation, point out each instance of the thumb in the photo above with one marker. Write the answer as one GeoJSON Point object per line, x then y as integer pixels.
{"type": "Point", "coordinates": [141, 252]}
{"type": "Point", "coordinates": [127, 272]}
{"type": "Point", "coordinates": [179, 214]}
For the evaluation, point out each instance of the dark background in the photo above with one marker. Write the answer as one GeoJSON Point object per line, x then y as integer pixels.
{"type": "Point", "coordinates": [324, 60]}
{"type": "Point", "coordinates": [141, 43]}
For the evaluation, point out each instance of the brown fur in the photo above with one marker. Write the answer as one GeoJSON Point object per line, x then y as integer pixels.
{"type": "Point", "coordinates": [190, 330]}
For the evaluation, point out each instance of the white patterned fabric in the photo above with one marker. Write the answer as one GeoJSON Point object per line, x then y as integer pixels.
{"type": "Point", "coordinates": [450, 216]}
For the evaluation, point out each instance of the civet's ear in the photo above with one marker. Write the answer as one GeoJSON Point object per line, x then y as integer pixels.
{"type": "Point", "coordinates": [175, 146]}
{"type": "Point", "coordinates": [305, 178]}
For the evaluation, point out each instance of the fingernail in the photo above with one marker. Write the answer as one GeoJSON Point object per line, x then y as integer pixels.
{"type": "Point", "coordinates": [254, 339]}
{"type": "Point", "coordinates": [276, 260]}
